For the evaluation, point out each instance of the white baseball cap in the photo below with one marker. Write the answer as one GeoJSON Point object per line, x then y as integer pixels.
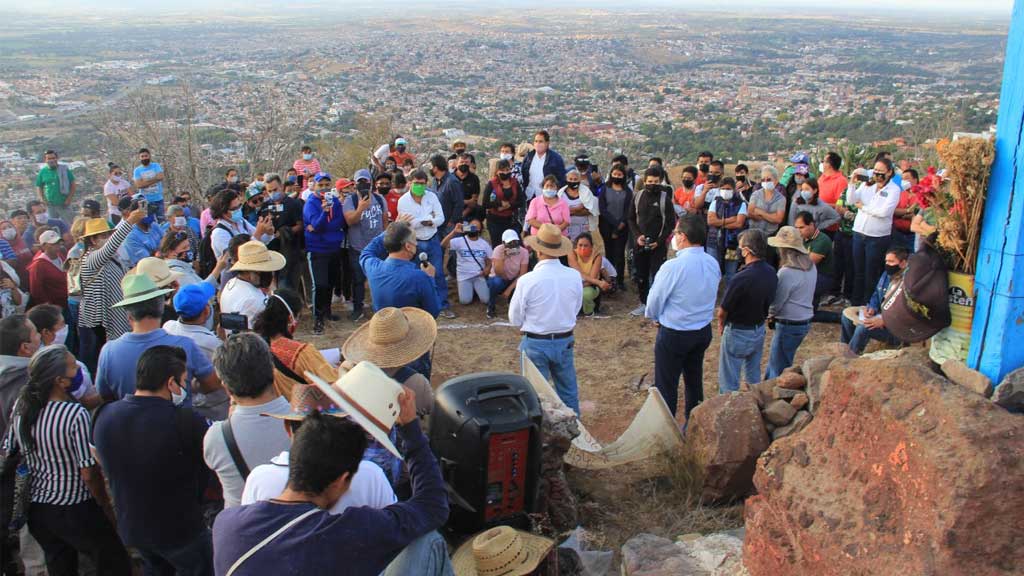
{"type": "Point", "coordinates": [49, 237]}
{"type": "Point", "coordinates": [509, 236]}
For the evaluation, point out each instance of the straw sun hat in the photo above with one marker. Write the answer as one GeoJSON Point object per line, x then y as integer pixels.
{"type": "Point", "coordinates": [157, 270]}
{"type": "Point", "coordinates": [501, 551]}
{"type": "Point", "coordinates": [549, 240]}
{"type": "Point", "coordinates": [392, 338]}
{"type": "Point", "coordinates": [788, 237]}
{"type": "Point", "coordinates": [94, 226]}
{"type": "Point", "coordinates": [253, 256]}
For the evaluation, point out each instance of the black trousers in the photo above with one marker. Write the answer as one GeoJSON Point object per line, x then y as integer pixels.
{"type": "Point", "coordinates": [65, 531]}
{"type": "Point", "coordinates": [325, 271]}
{"type": "Point", "coordinates": [615, 248]}
{"type": "Point", "coordinates": [648, 262]}
{"type": "Point", "coordinates": [496, 226]}
{"type": "Point", "coordinates": [842, 249]}
{"type": "Point", "coordinates": [681, 352]}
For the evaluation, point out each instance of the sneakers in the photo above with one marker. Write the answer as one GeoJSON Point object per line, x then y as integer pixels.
{"type": "Point", "coordinates": [831, 300]}
{"type": "Point", "coordinates": [638, 311]}
{"type": "Point", "coordinates": [318, 327]}
{"type": "Point", "coordinates": [491, 315]}
{"type": "Point", "coordinates": [447, 313]}
{"type": "Point", "coordinates": [337, 298]}
{"type": "Point", "coordinates": [356, 315]}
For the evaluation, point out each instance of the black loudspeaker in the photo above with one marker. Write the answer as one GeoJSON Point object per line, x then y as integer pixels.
{"type": "Point", "coordinates": [486, 432]}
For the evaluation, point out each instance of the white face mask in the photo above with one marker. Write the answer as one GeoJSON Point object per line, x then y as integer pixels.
{"type": "Point", "coordinates": [725, 194]}
{"type": "Point", "coordinates": [506, 156]}
{"type": "Point", "coordinates": [61, 335]}
{"type": "Point", "coordinates": [10, 233]}
{"type": "Point", "coordinates": [42, 218]}
{"type": "Point", "coordinates": [821, 168]}
{"type": "Point", "coordinates": [549, 193]}
{"type": "Point", "coordinates": [180, 222]}
{"type": "Point", "coordinates": [905, 185]}
{"type": "Point", "coordinates": [675, 243]}
{"type": "Point", "coordinates": [179, 399]}
{"type": "Point", "coordinates": [768, 185]}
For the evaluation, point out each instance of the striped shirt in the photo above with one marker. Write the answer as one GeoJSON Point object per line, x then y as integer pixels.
{"type": "Point", "coordinates": [301, 166]}
{"type": "Point", "coordinates": [61, 450]}
{"type": "Point", "coordinates": [101, 276]}
{"type": "Point", "coordinates": [6, 252]}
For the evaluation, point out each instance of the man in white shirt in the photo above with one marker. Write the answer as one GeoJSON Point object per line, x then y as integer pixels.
{"type": "Point", "coordinates": [422, 209]}
{"type": "Point", "coordinates": [244, 294]}
{"type": "Point", "coordinates": [544, 306]}
{"type": "Point", "coordinates": [876, 203]}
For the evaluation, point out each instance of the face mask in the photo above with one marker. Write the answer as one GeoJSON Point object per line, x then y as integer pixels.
{"type": "Point", "coordinates": [651, 187]}
{"type": "Point", "coordinates": [504, 175]}
{"type": "Point", "coordinates": [179, 399]}
{"type": "Point", "coordinates": [384, 189]}
{"type": "Point", "coordinates": [714, 177]}
{"type": "Point", "coordinates": [806, 195]}
{"type": "Point", "coordinates": [418, 189]}
{"type": "Point", "coordinates": [585, 252]}
{"type": "Point", "coordinates": [293, 179]}
{"type": "Point", "coordinates": [617, 180]}
{"type": "Point", "coordinates": [675, 243]}
{"type": "Point", "coordinates": [741, 178]}
{"type": "Point", "coordinates": [905, 185]}
{"type": "Point", "coordinates": [821, 168]}
{"type": "Point", "coordinates": [704, 168]}
{"type": "Point", "coordinates": [573, 185]}
{"type": "Point", "coordinates": [180, 222]}
{"type": "Point", "coordinates": [726, 194]}
{"type": "Point", "coordinates": [186, 257]}
{"type": "Point", "coordinates": [147, 221]}
{"type": "Point", "coordinates": [116, 178]}
{"type": "Point", "coordinates": [799, 179]}
{"type": "Point", "coordinates": [61, 335]}
{"type": "Point", "coordinates": [460, 151]}
{"type": "Point", "coordinates": [277, 196]}
{"type": "Point", "coordinates": [400, 148]}
{"type": "Point", "coordinates": [236, 215]}
{"type": "Point", "coordinates": [768, 185]}
{"type": "Point", "coordinates": [687, 183]}
{"type": "Point", "coordinates": [463, 168]}
{"type": "Point", "coordinates": [307, 157]}
{"type": "Point", "coordinates": [506, 156]}
{"type": "Point", "coordinates": [42, 218]}
{"type": "Point", "coordinates": [233, 179]}
{"type": "Point", "coordinates": [892, 270]}
{"type": "Point", "coordinates": [76, 382]}
{"type": "Point", "coordinates": [550, 193]}
{"type": "Point", "coordinates": [362, 187]}
{"type": "Point", "coordinates": [188, 212]}
{"type": "Point", "coordinates": [145, 162]}
{"type": "Point", "coordinates": [10, 233]}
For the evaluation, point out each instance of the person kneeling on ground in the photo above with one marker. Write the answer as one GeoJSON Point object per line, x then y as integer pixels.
{"type": "Point", "coordinates": [296, 533]}
{"type": "Point", "coordinates": [589, 263]}
{"type": "Point", "coordinates": [509, 261]}
{"type": "Point", "coordinates": [472, 261]}
{"type": "Point", "coordinates": [863, 323]}
{"type": "Point", "coordinates": [277, 324]}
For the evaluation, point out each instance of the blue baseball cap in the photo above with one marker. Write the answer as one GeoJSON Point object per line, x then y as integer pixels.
{"type": "Point", "coordinates": [191, 300]}
{"type": "Point", "coordinates": [322, 176]}
{"type": "Point", "coordinates": [362, 174]}
{"type": "Point", "coordinates": [800, 158]}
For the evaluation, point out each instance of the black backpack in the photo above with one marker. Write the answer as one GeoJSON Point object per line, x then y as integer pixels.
{"type": "Point", "coordinates": [207, 258]}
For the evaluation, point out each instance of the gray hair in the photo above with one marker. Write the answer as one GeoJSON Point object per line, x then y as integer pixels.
{"type": "Point", "coordinates": [771, 170]}
{"type": "Point", "coordinates": [754, 240]}
{"type": "Point", "coordinates": [397, 235]}
{"type": "Point", "coordinates": [790, 258]}
{"type": "Point", "coordinates": [244, 366]}
{"type": "Point", "coordinates": [573, 171]}
{"type": "Point", "coordinates": [174, 210]}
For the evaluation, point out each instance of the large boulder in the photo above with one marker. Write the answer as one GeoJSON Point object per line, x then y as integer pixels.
{"type": "Point", "coordinates": [726, 435]}
{"type": "Point", "coordinates": [901, 472]}
{"type": "Point", "coordinates": [1010, 392]}
{"type": "Point", "coordinates": [555, 499]}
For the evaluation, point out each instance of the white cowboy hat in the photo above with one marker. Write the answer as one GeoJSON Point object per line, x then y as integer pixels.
{"type": "Point", "coordinates": [369, 397]}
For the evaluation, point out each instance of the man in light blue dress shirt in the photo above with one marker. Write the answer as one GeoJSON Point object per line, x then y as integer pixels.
{"type": "Point", "coordinates": [682, 302]}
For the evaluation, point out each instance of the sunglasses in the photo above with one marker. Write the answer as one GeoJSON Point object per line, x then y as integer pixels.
{"type": "Point", "coordinates": [880, 175]}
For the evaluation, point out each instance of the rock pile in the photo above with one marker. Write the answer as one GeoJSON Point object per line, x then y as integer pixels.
{"type": "Point", "coordinates": [784, 403]}
{"type": "Point", "coordinates": [556, 503]}
{"type": "Point", "coordinates": [900, 472]}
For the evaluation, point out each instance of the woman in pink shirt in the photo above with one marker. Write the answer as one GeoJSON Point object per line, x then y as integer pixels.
{"type": "Point", "coordinates": [548, 208]}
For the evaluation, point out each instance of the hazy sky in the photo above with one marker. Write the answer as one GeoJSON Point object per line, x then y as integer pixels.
{"type": "Point", "coordinates": [987, 8]}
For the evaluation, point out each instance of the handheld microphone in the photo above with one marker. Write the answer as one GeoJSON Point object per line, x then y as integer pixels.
{"type": "Point", "coordinates": [423, 260]}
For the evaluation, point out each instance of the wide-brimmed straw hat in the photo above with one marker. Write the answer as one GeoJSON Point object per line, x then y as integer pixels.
{"type": "Point", "coordinates": [254, 256]}
{"type": "Point", "coordinates": [788, 237]}
{"type": "Point", "coordinates": [369, 397]}
{"type": "Point", "coordinates": [137, 288]}
{"type": "Point", "coordinates": [393, 338]}
{"type": "Point", "coordinates": [307, 399]}
{"type": "Point", "coordinates": [94, 226]}
{"type": "Point", "coordinates": [157, 270]}
{"type": "Point", "coordinates": [549, 240]}
{"type": "Point", "coordinates": [501, 551]}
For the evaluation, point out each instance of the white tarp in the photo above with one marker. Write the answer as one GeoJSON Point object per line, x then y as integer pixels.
{"type": "Point", "coordinates": [653, 431]}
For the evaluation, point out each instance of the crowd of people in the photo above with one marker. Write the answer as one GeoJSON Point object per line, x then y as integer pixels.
{"type": "Point", "coordinates": [159, 405]}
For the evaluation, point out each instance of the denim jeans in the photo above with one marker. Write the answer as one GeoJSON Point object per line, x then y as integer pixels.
{"type": "Point", "coordinates": [787, 339]}
{"type": "Point", "coordinates": [496, 285]}
{"type": "Point", "coordinates": [729, 268]}
{"type": "Point", "coordinates": [194, 558]}
{"type": "Point", "coordinates": [435, 255]}
{"type": "Point", "coordinates": [740, 349]}
{"type": "Point", "coordinates": [868, 264]}
{"type": "Point", "coordinates": [858, 336]}
{"type": "Point", "coordinates": [426, 555]}
{"type": "Point", "coordinates": [554, 359]}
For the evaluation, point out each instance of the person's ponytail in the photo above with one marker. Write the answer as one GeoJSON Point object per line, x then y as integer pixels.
{"type": "Point", "coordinates": [46, 365]}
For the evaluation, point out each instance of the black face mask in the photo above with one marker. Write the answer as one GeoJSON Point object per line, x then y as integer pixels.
{"type": "Point", "coordinates": [473, 235]}
{"type": "Point", "coordinates": [504, 175]}
{"type": "Point", "coordinates": [892, 270]}
{"type": "Point", "coordinates": [572, 185]}
{"type": "Point", "coordinates": [688, 183]}
{"type": "Point", "coordinates": [617, 180]}
{"type": "Point", "coordinates": [460, 151]}
{"type": "Point", "coordinates": [363, 187]}
{"type": "Point", "coordinates": [384, 189]}
{"type": "Point", "coordinates": [714, 177]}
{"type": "Point", "coordinates": [400, 147]}
{"type": "Point", "coordinates": [463, 168]}
{"type": "Point", "coordinates": [741, 178]}
{"type": "Point", "coordinates": [651, 187]}
{"type": "Point", "coordinates": [145, 162]}
{"type": "Point", "coordinates": [704, 168]}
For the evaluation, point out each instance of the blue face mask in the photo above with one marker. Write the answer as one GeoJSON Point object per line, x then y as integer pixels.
{"type": "Point", "coordinates": [293, 179]}
{"type": "Point", "coordinates": [277, 196]}
{"type": "Point", "coordinates": [147, 221]}
{"type": "Point", "coordinates": [188, 212]}
{"type": "Point", "coordinates": [77, 381]}
{"type": "Point", "coordinates": [236, 215]}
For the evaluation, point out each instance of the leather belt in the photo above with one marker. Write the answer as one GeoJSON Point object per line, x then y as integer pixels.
{"type": "Point", "coordinates": [557, 336]}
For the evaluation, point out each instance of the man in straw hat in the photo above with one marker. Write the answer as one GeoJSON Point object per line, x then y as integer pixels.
{"type": "Point", "coordinates": [295, 532]}
{"type": "Point", "coordinates": [682, 303]}
{"type": "Point", "coordinates": [544, 306]}
{"type": "Point", "coordinates": [246, 293]}
{"type": "Point", "coordinates": [501, 551]}
{"type": "Point", "coordinates": [394, 339]}
{"type": "Point", "coordinates": [144, 302]}
{"type": "Point", "coordinates": [793, 308]}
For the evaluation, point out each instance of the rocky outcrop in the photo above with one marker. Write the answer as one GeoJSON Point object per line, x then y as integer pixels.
{"type": "Point", "coordinates": [901, 472]}
{"type": "Point", "coordinates": [716, 554]}
{"type": "Point", "coordinates": [726, 435]}
{"type": "Point", "coordinates": [556, 502]}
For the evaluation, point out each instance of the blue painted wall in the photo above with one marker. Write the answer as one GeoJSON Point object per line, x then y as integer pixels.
{"type": "Point", "coordinates": [997, 337]}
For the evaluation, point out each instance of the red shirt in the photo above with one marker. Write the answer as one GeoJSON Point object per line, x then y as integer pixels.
{"type": "Point", "coordinates": [831, 187]}
{"type": "Point", "coordinates": [47, 283]}
{"type": "Point", "coordinates": [392, 200]}
{"type": "Point", "coordinates": [907, 199]}
{"type": "Point", "coordinates": [401, 157]}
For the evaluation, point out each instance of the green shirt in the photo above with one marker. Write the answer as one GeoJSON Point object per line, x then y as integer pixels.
{"type": "Point", "coordinates": [49, 180]}
{"type": "Point", "coordinates": [821, 244]}
{"type": "Point", "coordinates": [845, 226]}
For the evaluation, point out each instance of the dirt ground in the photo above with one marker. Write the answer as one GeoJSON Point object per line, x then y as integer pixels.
{"type": "Point", "coordinates": [612, 354]}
